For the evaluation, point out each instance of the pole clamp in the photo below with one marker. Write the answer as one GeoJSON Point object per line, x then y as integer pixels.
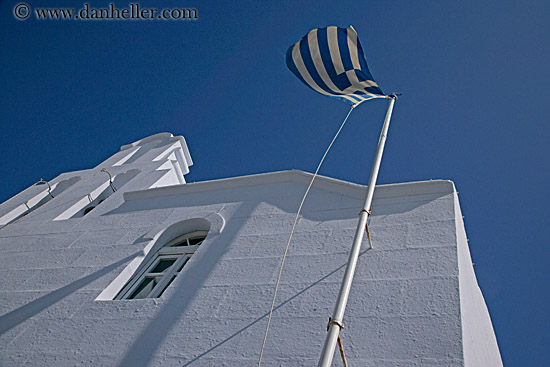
{"type": "Point", "coordinates": [366, 211]}
{"type": "Point", "coordinates": [340, 345]}
{"type": "Point", "coordinates": [334, 322]}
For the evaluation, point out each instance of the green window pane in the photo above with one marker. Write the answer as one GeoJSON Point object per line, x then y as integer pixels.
{"type": "Point", "coordinates": [144, 288]}
{"type": "Point", "coordinates": [163, 265]}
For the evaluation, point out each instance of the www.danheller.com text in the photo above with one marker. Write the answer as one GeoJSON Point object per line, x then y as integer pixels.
{"type": "Point", "coordinates": [134, 11]}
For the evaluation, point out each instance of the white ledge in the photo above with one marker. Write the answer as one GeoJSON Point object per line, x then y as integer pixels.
{"type": "Point", "coordinates": [297, 176]}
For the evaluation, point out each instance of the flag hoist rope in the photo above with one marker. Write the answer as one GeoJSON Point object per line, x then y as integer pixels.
{"type": "Point", "coordinates": [292, 232]}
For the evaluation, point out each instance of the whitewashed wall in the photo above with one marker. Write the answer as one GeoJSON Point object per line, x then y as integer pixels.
{"type": "Point", "coordinates": [405, 308]}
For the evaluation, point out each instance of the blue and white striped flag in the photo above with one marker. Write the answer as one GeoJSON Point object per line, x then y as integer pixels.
{"type": "Point", "coordinates": [331, 61]}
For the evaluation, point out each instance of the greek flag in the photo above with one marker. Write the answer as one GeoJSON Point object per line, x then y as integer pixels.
{"type": "Point", "coordinates": [331, 61]}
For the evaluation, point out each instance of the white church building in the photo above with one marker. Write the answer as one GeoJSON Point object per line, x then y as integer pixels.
{"type": "Point", "coordinates": [126, 264]}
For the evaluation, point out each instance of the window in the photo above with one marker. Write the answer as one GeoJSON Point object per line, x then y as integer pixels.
{"type": "Point", "coordinates": [155, 275]}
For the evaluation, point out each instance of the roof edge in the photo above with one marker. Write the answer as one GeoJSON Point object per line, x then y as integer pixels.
{"type": "Point", "coordinates": [147, 139]}
{"type": "Point", "coordinates": [298, 176]}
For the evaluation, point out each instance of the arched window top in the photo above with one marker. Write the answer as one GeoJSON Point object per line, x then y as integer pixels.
{"type": "Point", "coordinates": [182, 229]}
{"type": "Point", "coordinates": [180, 238]}
{"type": "Point", "coordinates": [188, 239]}
{"type": "Point", "coordinates": [155, 275]}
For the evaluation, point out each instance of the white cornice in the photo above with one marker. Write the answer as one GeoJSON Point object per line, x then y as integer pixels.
{"type": "Point", "coordinates": [301, 177]}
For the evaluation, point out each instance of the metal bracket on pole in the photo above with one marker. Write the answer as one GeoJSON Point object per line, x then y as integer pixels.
{"type": "Point", "coordinates": [340, 345]}
{"type": "Point", "coordinates": [338, 313]}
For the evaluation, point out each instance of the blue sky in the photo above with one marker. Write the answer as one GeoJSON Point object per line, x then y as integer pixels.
{"type": "Point", "coordinates": [474, 109]}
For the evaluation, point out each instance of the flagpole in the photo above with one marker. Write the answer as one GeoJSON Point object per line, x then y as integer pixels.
{"type": "Point", "coordinates": [338, 314]}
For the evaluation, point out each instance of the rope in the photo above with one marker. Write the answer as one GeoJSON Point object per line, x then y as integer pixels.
{"type": "Point", "coordinates": [292, 232]}
{"type": "Point", "coordinates": [342, 354]}
{"type": "Point", "coordinates": [367, 225]}
{"type": "Point", "coordinates": [340, 345]}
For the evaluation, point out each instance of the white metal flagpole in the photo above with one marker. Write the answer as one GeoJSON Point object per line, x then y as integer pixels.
{"type": "Point", "coordinates": [338, 314]}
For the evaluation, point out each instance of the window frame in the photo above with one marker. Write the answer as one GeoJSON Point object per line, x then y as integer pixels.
{"type": "Point", "coordinates": [170, 251]}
